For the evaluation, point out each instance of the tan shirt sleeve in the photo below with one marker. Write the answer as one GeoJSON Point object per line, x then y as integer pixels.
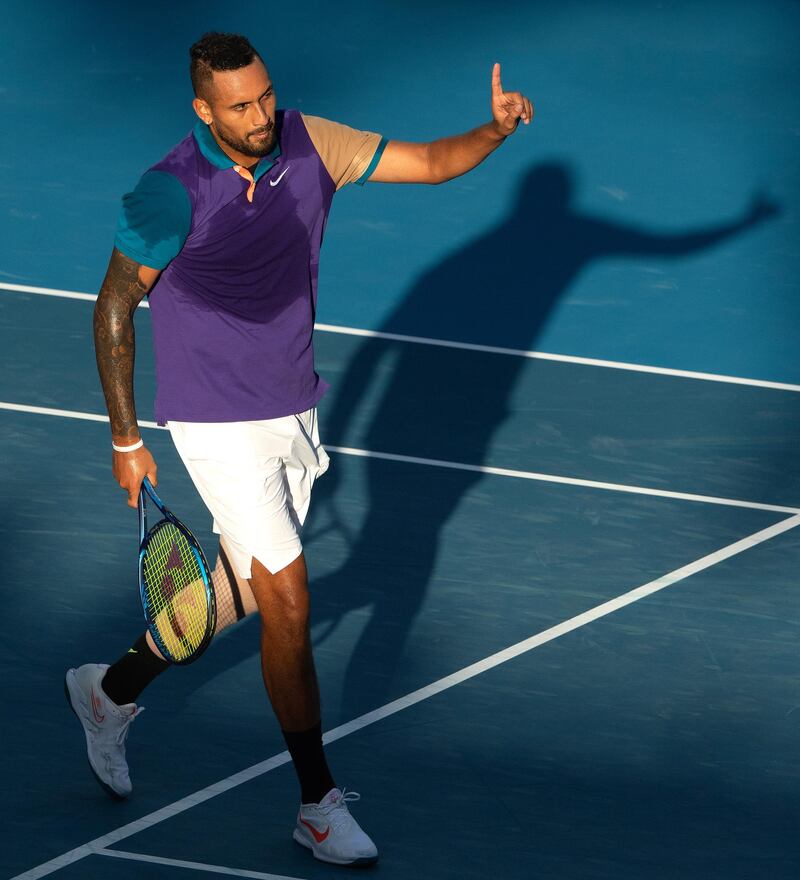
{"type": "Point", "coordinates": [346, 152]}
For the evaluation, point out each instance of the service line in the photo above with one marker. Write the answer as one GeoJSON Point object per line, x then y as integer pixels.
{"type": "Point", "coordinates": [454, 465]}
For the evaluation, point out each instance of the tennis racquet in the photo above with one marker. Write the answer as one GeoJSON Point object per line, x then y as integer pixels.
{"type": "Point", "coordinates": [174, 584]}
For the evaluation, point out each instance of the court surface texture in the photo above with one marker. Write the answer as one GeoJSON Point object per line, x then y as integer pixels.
{"type": "Point", "coordinates": [554, 565]}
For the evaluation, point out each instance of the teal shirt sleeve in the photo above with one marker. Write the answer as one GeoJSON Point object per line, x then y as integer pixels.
{"type": "Point", "coordinates": [155, 220]}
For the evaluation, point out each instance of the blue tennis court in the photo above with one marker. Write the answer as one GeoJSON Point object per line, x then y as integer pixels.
{"type": "Point", "coordinates": [554, 562]}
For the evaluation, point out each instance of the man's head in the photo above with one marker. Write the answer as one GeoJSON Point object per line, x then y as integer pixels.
{"type": "Point", "coordinates": [234, 95]}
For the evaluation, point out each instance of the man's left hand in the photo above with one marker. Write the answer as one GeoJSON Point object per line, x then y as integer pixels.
{"type": "Point", "coordinates": [508, 107]}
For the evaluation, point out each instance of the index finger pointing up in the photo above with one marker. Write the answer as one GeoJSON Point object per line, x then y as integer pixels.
{"type": "Point", "coordinates": [497, 86]}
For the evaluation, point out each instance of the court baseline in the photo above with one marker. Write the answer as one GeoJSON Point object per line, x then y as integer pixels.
{"type": "Point", "coordinates": [468, 346]}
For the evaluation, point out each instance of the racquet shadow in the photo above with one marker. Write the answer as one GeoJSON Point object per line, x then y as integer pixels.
{"type": "Point", "coordinates": [497, 289]}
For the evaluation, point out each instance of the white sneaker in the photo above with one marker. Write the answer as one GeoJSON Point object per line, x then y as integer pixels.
{"type": "Point", "coordinates": [331, 833]}
{"type": "Point", "coordinates": [105, 725]}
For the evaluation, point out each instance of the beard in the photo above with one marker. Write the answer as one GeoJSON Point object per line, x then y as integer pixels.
{"type": "Point", "coordinates": [249, 147]}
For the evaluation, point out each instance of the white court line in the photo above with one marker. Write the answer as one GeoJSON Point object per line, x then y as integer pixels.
{"type": "Point", "coordinates": [48, 291]}
{"type": "Point", "coordinates": [469, 346]}
{"type": "Point", "coordinates": [454, 465]}
{"type": "Point", "coordinates": [195, 866]}
{"type": "Point", "coordinates": [564, 481]}
{"type": "Point", "coordinates": [413, 698]}
{"type": "Point", "coordinates": [561, 358]}
{"type": "Point", "coordinates": [64, 413]}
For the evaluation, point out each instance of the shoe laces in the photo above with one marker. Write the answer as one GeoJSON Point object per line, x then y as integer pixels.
{"type": "Point", "coordinates": [122, 733]}
{"type": "Point", "coordinates": [337, 813]}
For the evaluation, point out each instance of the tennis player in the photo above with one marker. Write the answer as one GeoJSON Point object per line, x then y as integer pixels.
{"type": "Point", "coordinates": [224, 235]}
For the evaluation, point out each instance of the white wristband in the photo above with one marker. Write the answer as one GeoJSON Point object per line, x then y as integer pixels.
{"type": "Point", "coordinates": [131, 448]}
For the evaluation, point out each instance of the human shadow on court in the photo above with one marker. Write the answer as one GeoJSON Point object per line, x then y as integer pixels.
{"type": "Point", "coordinates": [443, 404]}
{"type": "Point", "coordinates": [447, 404]}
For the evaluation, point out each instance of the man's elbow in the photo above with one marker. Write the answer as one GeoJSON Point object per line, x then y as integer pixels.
{"type": "Point", "coordinates": [434, 177]}
{"type": "Point", "coordinates": [435, 173]}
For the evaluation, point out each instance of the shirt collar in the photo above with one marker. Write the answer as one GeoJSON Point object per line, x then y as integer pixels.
{"type": "Point", "coordinates": [218, 157]}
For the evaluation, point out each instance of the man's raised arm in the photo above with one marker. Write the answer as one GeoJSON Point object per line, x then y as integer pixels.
{"type": "Point", "coordinates": [449, 157]}
{"type": "Point", "coordinates": [125, 284]}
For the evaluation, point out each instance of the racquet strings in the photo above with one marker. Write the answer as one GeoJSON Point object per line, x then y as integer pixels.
{"type": "Point", "coordinates": [175, 591]}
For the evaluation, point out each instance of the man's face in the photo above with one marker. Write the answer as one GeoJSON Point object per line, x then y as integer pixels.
{"type": "Point", "coordinates": [240, 108]}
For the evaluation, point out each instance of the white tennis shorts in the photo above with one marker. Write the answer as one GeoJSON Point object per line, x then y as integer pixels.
{"type": "Point", "coordinates": [256, 479]}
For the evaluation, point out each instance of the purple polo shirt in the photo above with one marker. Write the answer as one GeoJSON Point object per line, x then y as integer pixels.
{"type": "Point", "coordinates": [233, 309]}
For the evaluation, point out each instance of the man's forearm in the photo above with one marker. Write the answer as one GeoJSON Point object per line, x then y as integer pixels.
{"type": "Point", "coordinates": [115, 344]}
{"type": "Point", "coordinates": [449, 157]}
{"type": "Point", "coordinates": [452, 156]}
{"type": "Point", "coordinates": [115, 348]}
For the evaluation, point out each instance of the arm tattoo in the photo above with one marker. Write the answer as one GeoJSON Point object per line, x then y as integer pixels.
{"type": "Point", "coordinates": [114, 341]}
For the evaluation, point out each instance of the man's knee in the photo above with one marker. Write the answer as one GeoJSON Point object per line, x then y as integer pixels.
{"type": "Point", "coordinates": [282, 597]}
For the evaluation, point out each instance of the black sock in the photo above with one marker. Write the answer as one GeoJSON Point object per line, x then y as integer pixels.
{"type": "Point", "coordinates": [131, 674]}
{"type": "Point", "coordinates": [305, 747]}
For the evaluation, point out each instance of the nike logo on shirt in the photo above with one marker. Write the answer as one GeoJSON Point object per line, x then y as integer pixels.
{"type": "Point", "coordinates": [277, 180]}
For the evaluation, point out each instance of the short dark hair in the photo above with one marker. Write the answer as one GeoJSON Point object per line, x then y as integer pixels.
{"type": "Point", "coordinates": [216, 51]}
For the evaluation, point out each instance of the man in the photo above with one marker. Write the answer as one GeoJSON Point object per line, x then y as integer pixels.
{"type": "Point", "coordinates": [224, 235]}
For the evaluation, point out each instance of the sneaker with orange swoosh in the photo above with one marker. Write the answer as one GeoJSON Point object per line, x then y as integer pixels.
{"type": "Point", "coordinates": [329, 830]}
{"type": "Point", "coordinates": [105, 725]}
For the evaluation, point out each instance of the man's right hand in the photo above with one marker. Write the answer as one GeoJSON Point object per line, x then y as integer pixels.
{"type": "Point", "coordinates": [130, 469]}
